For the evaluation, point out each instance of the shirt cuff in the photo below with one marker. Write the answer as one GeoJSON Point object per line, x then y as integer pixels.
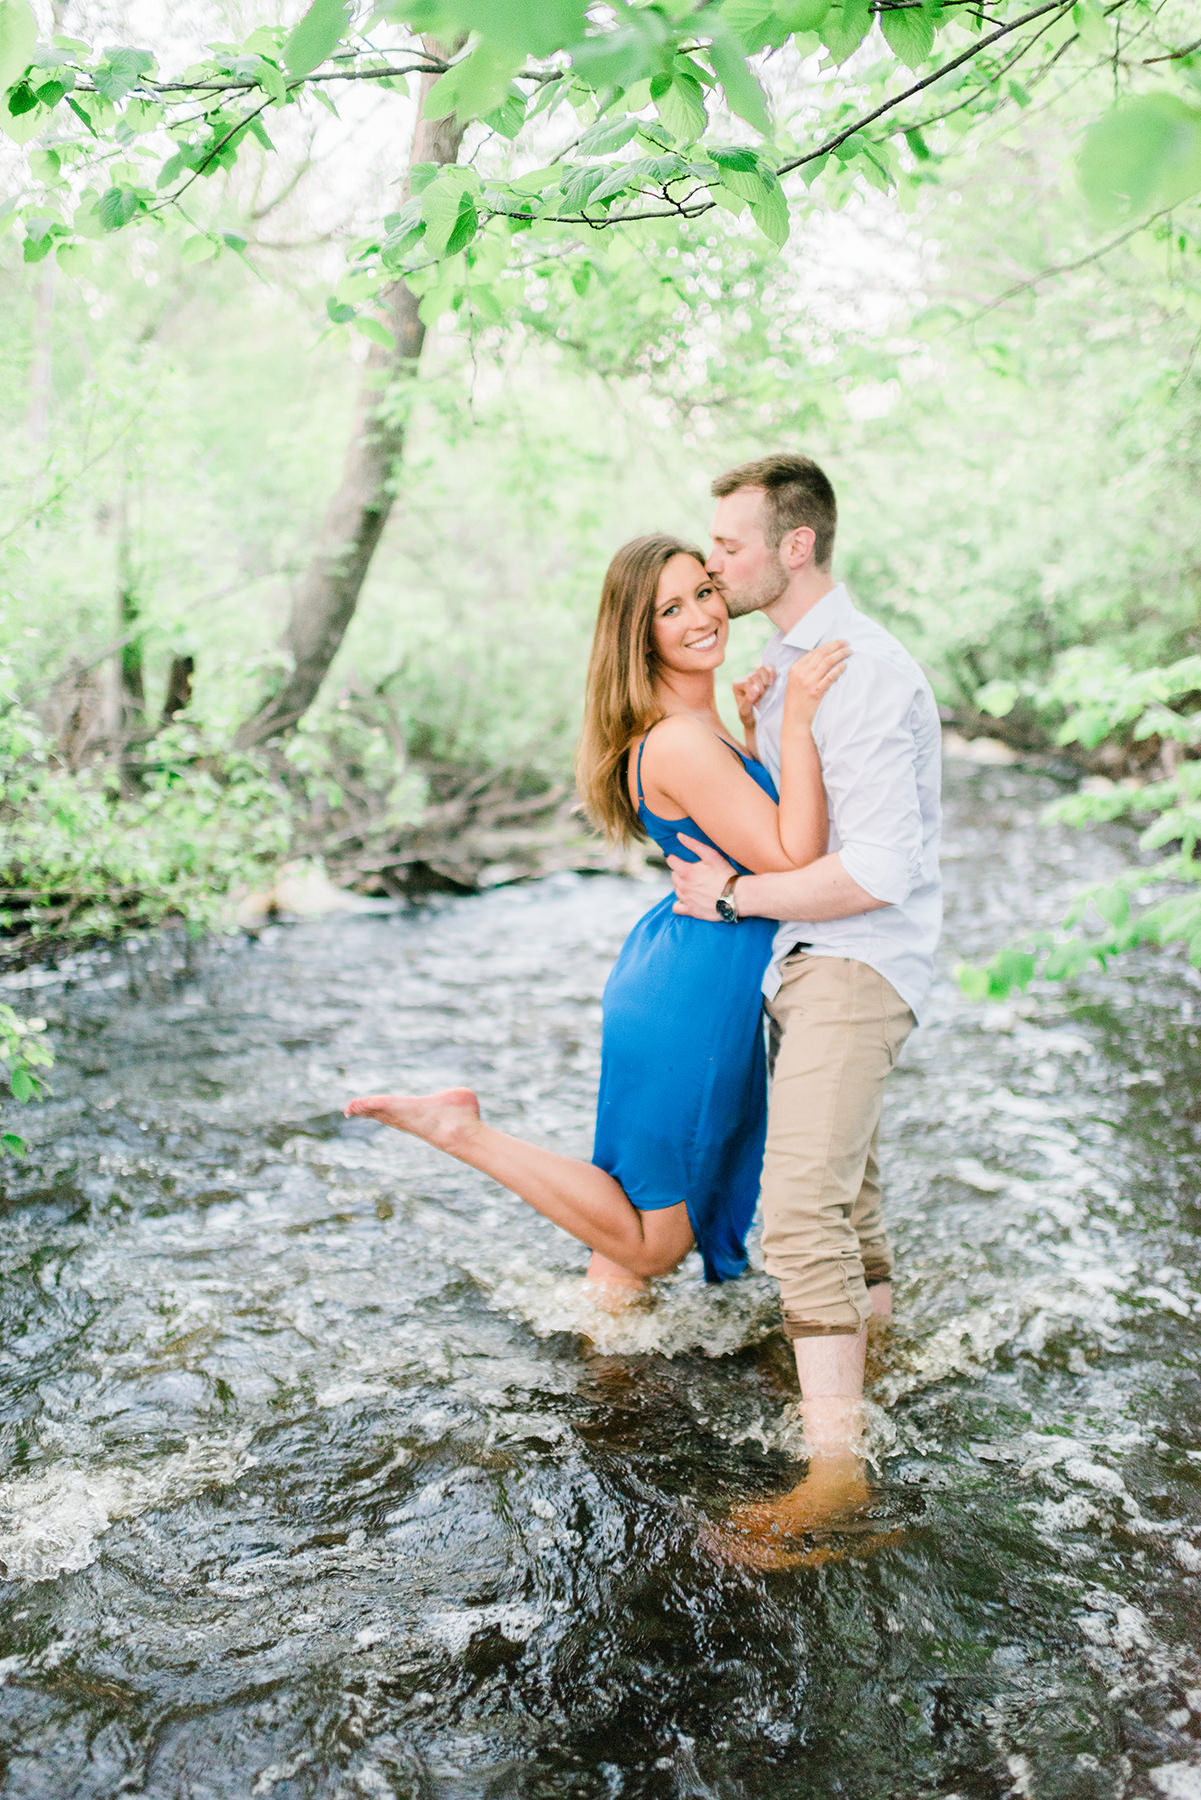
{"type": "Point", "coordinates": [885, 874]}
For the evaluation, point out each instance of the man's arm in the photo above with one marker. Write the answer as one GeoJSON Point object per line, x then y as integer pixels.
{"type": "Point", "coordinates": [821, 890]}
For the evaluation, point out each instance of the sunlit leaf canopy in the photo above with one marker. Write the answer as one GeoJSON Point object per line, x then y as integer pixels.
{"type": "Point", "coordinates": [586, 118]}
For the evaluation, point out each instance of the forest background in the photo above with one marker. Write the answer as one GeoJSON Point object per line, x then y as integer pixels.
{"type": "Point", "coordinates": [312, 460]}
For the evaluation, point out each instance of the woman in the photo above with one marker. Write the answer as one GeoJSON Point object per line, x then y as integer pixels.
{"type": "Point", "coordinates": [683, 1094]}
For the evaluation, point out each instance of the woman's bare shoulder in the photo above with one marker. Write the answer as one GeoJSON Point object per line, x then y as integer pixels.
{"type": "Point", "coordinates": [679, 734]}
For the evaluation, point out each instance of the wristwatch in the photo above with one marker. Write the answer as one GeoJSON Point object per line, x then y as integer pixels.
{"type": "Point", "coordinates": [727, 909]}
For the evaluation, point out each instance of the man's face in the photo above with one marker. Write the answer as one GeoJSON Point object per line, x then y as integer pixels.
{"type": "Point", "coordinates": [749, 573]}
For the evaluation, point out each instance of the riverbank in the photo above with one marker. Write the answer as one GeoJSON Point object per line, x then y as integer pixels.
{"type": "Point", "coordinates": [474, 834]}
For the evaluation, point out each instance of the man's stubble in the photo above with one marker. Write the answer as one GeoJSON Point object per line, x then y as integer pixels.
{"type": "Point", "coordinates": [769, 587]}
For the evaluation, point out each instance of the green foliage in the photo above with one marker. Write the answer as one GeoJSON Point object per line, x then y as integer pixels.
{"type": "Point", "coordinates": [1143, 157]}
{"type": "Point", "coordinates": [1101, 699]}
{"type": "Point", "coordinates": [672, 91]}
{"type": "Point", "coordinates": [77, 859]}
{"type": "Point", "coordinates": [22, 1054]}
{"type": "Point", "coordinates": [316, 37]}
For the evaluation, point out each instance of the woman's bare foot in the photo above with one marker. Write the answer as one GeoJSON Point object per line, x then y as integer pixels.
{"type": "Point", "coordinates": [446, 1119]}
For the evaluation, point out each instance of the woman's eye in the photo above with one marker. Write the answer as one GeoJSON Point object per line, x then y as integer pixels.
{"type": "Point", "coordinates": [668, 610]}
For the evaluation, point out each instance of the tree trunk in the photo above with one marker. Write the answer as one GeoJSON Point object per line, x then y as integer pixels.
{"type": "Point", "coordinates": [131, 690]}
{"type": "Point", "coordinates": [130, 683]}
{"type": "Point", "coordinates": [179, 687]}
{"type": "Point", "coordinates": [324, 601]}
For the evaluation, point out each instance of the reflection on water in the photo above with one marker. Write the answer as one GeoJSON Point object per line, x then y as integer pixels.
{"type": "Point", "coordinates": [319, 1479]}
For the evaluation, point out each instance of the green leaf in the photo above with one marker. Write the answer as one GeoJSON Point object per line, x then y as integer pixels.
{"type": "Point", "coordinates": [973, 981]}
{"type": "Point", "coordinates": [449, 212]}
{"type": "Point", "coordinates": [271, 80]}
{"type": "Point", "coordinates": [742, 90]}
{"type": "Point", "coordinates": [23, 1085]}
{"type": "Point", "coordinates": [1092, 27]}
{"type": "Point", "coordinates": [1008, 970]}
{"type": "Point", "coordinates": [806, 15]}
{"type": "Point", "coordinates": [465, 226]}
{"type": "Point", "coordinates": [1142, 157]}
{"type": "Point", "coordinates": [616, 59]}
{"type": "Point", "coordinates": [1113, 904]}
{"type": "Point", "coordinates": [758, 24]}
{"type": "Point", "coordinates": [23, 127]}
{"type": "Point", "coordinates": [625, 177]}
{"type": "Point", "coordinates": [18, 39]}
{"type": "Point", "coordinates": [12, 1143]}
{"type": "Point", "coordinates": [909, 33]}
{"type": "Point", "coordinates": [680, 103]}
{"type": "Point", "coordinates": [508, 118]}
{"type": "Point", "coordinates": [198, 249]}
{"type": "Point", "coordinates": [339, 312]}
{"type": "Point", "coordinates": [117, 207]}
{"type": "Point", "coordinates": [579, 185]}
{"type": "Point", "coordinates": [121, 71]}
{"type": "Point", "coordinates": [740, 173]}
{"type": "Point", "coordinates": [316, 36]}
{"type": "Point", "coordinates": [998, 698]}
{"type": "Point", "coordinates": [518, 27]}
{"type": "Point", "coordinates": [1068, 959]}
{"type": "Point", "coordinates": [845, 27]}
{"type": "Point", "coordinates": [771, 215]}
{"type": "Point", "coordinates": [606, 136]}
{"type": "Point", "coordinates": [379, 334]}
{"type": "Point", "coordinates": [472, 87]}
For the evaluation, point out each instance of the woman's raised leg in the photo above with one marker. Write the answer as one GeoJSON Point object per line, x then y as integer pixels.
{"type": "Point", "coordinates": [575, 1195]}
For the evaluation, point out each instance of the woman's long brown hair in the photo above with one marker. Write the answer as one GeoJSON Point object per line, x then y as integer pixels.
{"type": "Point", "coordinates": [620, 701]}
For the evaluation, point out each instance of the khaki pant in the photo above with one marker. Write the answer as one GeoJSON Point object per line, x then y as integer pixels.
{"type": "Point", "coordinates": [837, 1028]}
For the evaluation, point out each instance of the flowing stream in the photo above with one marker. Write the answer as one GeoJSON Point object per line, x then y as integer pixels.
{"type": "Point", "coordinates": [319, 1478]}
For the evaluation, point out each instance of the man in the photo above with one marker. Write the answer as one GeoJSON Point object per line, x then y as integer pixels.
{"type": "Point", "coordinates": [852, 961]}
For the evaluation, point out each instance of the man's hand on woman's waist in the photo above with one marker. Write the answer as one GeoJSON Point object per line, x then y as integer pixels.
{"type": "Point", "coordinates": [821, 890]}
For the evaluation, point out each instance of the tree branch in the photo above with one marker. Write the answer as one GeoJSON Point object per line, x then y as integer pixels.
{"type": "Point", "coordinates": [956, 62]}
{"type": "Point", "coordinates": [218, 147]}
{"type": "Point", "coordinates": [689, 210]}
{"type": "Point", "coordinates": [1068, 268]}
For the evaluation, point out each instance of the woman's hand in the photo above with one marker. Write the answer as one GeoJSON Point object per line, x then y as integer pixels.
{"type": "Point", "coordinates": [749, 692]}
{"type": "Point", "coordinates": [811, 677]}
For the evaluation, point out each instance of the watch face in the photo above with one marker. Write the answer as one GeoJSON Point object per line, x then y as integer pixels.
{"type": "Point", "coordinates": [725, 910]}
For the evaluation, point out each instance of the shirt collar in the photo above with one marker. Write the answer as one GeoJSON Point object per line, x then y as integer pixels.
{"type": "Point", "coordinates": [820, 621]}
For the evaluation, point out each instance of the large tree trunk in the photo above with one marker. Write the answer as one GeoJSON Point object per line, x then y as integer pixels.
{"type": "Point", "coordinates": [324, 601]}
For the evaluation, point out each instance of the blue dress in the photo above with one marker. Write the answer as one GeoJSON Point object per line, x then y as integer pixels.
{"type": "Point", "coordinates": [682, 1110]}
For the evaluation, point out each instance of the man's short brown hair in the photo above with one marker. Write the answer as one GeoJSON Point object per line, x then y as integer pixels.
{"type": "Point", "coordinates": [796, 492]}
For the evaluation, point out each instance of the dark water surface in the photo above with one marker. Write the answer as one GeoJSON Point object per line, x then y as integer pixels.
{"type": "Point", "coordinates": [312, 1484]}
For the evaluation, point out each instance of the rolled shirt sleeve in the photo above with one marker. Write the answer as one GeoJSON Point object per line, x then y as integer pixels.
{"type": "Point", "coordinates": [865, 734]}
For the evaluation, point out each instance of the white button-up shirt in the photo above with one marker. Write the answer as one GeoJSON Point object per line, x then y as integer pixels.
{"type": "Point", "coordinates": [877, 732]}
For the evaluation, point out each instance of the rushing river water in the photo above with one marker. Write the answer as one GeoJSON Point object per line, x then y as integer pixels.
{"type": "Point", "coordinates": [318, 1478]}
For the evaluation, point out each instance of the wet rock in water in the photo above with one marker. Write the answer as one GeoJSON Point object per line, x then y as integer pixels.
{"type": "Point", "coordinates": [301, 891]}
